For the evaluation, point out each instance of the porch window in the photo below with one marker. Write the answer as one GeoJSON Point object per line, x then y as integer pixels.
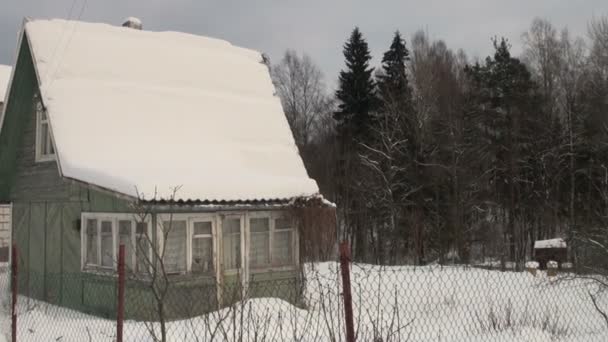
{"type": "Point", "coordinates": [283, 241]}
{"type": "Point", "coordinates": [92, 242]}
{"type": "Point", "coordinates": [174, 253]}
{"type": "Point", "coordinates": [102, 234]}
{"type": "Point", "coordinates": [44, 145]}
{"type": "Point", "coordinates": [142, 248]}
{"type": "Point", "coordinates": [202, 248]}
{"type": "Point", "coordinates": [272, 241]}
{"type": "Point", "coordinates": [260, 242]}
{"type": "Point", "coordinates": [188, 243]}
{"type": "Point", "coordinates": [133, 235]}
{"type": "Point", "coordinates": [107, 244]}
{"type": "Point", "coordinates": [231, 237]}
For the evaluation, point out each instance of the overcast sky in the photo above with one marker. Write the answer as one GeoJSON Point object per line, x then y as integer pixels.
{"type": "Point", "coordinates": [317, 27]}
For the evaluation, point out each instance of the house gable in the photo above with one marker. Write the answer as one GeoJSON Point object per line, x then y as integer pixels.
{"type": "Point", "coordinates": [21, 177]}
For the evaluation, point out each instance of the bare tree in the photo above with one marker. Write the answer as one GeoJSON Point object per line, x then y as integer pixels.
{"type": "Point", "coordinates": [388, 185]}
{"type": "Point", "coordinates": [151, 259]}
{"type": "Point", "coordinates": [598, 34]}
{"type": "Point", "coordinates": [541, 53]}
{"type": "Point", "coordinates": [299, 84]}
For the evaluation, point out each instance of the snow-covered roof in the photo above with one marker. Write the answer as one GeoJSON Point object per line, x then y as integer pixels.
{"type": "Point", "coordinates": [552, 243]}
{"type": "Point", "coordinates": [5, 75]}
{"type": "Point", "coordinates": [144, 110]}
{"type": "Point", "coordinates": [133, 20]}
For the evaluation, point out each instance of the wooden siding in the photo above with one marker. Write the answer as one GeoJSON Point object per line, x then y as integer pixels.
{"type": "Point", "coordinates": [21, 178]}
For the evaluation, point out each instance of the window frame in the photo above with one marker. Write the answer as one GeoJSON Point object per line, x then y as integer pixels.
{"type": "Point", "coordinates": [192, 236]}
{"type": "Point", "coordinates": [40, 155]}
{"type": "Point", "coordinates": [115, 218]}
{"type": "Point", "coordinates": [244, 252]}
{"type": "Point", "coordinates": [294, 242]}
{"type": "Point", "coordinates": [273, 267]}
{"type": "Point", "coordinates": [190, 220]}
{"type": "Point", "coordinates": [258, 215]}
{"type": "Point", "coordinates": [215, 218]}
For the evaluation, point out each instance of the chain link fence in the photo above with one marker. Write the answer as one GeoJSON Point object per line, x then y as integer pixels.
{"type": "Point", "coordinates": [389, 303]}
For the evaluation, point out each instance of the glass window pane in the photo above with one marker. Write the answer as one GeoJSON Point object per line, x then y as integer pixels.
{"type": "Point", "coordinates": [50, 145]}
{"type": "Point", "coordinates": [202, 228]}
{"type": "Point", "coordinates": [282, 249]}
{"type": "Point", "coordinates": [142, 247]}
{"type": "Point", "coordinates": [91, 230]}
{"type": "Point", "coordinates": [202, 255]}
{"type": "Point", "coordinates": [44, 133]}
{"type": "Point", "coordinates": [259, 225]}
{"type": "Point", "coordinates": [231, 246]}
{"type": "Point", "coordinates": [107, 258]}
{"type": "Point", "coordinates": [260, 249]}
{"type": "Point", "coordinates": [175, 246]}
{"type": "Point", "coordinates": [231, 226]}
{"type": "Point", "coordinates": [282, 223]}
{"type": "Point", "coordinates": [124, 238]}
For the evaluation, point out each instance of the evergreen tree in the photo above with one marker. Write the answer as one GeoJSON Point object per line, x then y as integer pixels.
{"type": "Point", "coordinates": [393, 83]}
{"type": "Point", "coordinates": [356, 91]}
{"type": "Point", "coordinates": [512, 125]}
{"type": "Point", "coordinates": [385, 155]}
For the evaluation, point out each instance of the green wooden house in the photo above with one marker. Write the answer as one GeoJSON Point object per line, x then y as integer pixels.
{"type": "Point", "coordinates": [171, 144]}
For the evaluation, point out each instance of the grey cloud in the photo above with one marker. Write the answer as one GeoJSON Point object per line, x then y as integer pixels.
{"type": "Point", "coordinates": [317, 27]}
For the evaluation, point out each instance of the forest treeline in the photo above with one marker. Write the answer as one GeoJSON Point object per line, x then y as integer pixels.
{"type": "Point", "coordinates": [433, 157]}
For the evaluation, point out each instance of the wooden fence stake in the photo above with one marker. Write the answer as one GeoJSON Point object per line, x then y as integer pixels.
{"type": "Point", "coordinates": [346, 291]}
{"type": "Point", "coordinates": [14, 291]}
{"type": "Point", "coordinates": [120, 308]}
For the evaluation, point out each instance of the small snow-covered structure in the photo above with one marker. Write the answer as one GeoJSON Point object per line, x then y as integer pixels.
{"type": "Point", "coordinates": [108, 122]}
{"type": "Point", "coordinates": [550, 250]}
{"type": "Point", "coordinates": [134, 23]}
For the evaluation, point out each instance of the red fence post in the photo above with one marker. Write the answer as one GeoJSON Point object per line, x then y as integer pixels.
{"type": "Point", "coordinates": [346, 291]}
{"type": "Point", "coordinates": [14, 269]}
{"type": "Point", "coordinates": [120, 310]}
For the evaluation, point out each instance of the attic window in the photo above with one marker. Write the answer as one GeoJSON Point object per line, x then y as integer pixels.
{"type": "Point", "coordinates": [44, 144]}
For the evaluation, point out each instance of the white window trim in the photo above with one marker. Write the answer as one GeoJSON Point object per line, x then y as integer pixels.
{"type": "Point", "coordinates": [244, 243]}
{"type": "Point", "coordinates": [40, 157]}
{"type": "Point", "coordinates": [272, 267]}
{"type": "Point", "coordinates": [192, 236]}
{"type": "Point", "coordinates": [254, 215]}
{"type": "Point", "coordinates": [216, 220]}
{"type": "Point", "coordinates": [190, 220]}
{"type": "Point", "coordinates": [114, 218]}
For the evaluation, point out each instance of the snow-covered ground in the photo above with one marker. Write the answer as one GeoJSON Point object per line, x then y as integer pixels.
{"type": "Point", "coordinates": [430, 303]}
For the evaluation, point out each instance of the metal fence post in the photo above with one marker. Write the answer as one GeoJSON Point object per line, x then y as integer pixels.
{"type": "Point", "coordinates": [14, 287]}
{"type": "Point", "coordinates": [120, 309]}
{"type": "Point", "coordinates": [346, 291]}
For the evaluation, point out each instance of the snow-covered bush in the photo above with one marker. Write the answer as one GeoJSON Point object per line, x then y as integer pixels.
{"type": "Point", "coordinates": [510, 265]}
{"type": "Point", "coordinates": [552, 264]}
{"type": "Point", "coordinates": [567, 265]}
{"type": "Point", "coordinates": [509, 318]}
{"type": "Point", "coordinates": [532, 264]}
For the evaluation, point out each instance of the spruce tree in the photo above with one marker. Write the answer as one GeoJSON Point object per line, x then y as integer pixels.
{"type": "Point", "coordinates": [356, 91]}
{"type": "Point", "coordinates": [512, 125]}
{"type": "Point", "coordinates": [393, 84]}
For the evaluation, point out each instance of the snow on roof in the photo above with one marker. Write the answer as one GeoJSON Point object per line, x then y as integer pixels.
{"type": "Point", "coordinates": [552, 243]}
{"type": "Point", "coordinates": [5, 75]}
{"type": "Point", "coordinates": [133, 20]}
{"type": "Point", "coordinates": [144, 110]}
